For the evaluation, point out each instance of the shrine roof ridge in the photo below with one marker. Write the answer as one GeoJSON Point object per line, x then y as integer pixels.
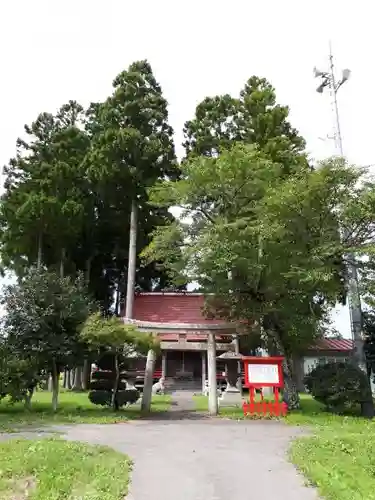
{"type": "Point", "coordinates": [175, 294]}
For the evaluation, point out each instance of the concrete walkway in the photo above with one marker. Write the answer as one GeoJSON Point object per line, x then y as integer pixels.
{"type": "Point", "coordinates": [185, 456]}
{"type": "Point", "coordinates": [182, 455]}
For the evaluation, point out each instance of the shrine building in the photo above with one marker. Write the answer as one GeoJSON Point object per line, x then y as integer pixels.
{"type": "Point", "coordinates": [178, 320]}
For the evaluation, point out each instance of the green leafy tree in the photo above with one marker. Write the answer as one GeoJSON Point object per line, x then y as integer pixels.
{"type": "Point", "coordinates": [44, 315]}
{"type": "Point", "coordinates": [111, 335]}
{"type": "Point", "coordinates": [268, 247]}
{"type": "Point", "coordinates": [19, 374]}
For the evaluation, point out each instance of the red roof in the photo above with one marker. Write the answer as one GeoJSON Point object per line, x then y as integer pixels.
{"type": "Point", "coordinates": [333, 345]}
{"type": "Point", "coordinates": [187, 307]}
{"type": "Point", "coordinates": [177, 307]}
{"type": "Point", "coordinates": [183, 307]}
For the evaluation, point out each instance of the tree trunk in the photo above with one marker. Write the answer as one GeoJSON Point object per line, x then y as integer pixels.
{"type": "Point", "coordinates": [70, 379]}
{"type": "Point", "coordinates": [86, 374]}
{"type": "Point", "coordinates": [114, 402]}
{"type": "Point", "coordinates": [65, 379]}
{"type": "Point", "coordinates": [291, 395]}
{"type": "Point", "coordinates": [149, 377]}
{"type": "Point", "coordinates": [118, 296]}
{"type": "Point", "coordinates": [40, 251]}
{"type": "Point", "coordinates": [132, 261]}
{"type": "Point", "coordinates": [88, 270]}
{"type": "Point", "coordinates": [55, 386]}
{"type": "Point", "coordinates": [77, 386]}
{"type": "Point", "coordinates": [62, 262]}
{"type": "Point", "coordinates": [50, 384]}
{"type": "Point", "coordinates": [28, 396]}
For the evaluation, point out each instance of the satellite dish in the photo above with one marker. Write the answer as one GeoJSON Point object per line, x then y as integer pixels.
{"type": "Point", "coordinates": [345, 75]}
{"type": "Point", "coordinates": [317, 72]}
{"type": "Point", "coordinates": [320, 88]}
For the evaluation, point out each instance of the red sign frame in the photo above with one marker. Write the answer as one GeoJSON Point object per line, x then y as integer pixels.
{"type": "Point", "coordinates": [263, 407]}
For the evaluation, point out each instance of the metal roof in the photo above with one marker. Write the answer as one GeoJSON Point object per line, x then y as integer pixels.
{"type": "Point", "coordinates": [187, 308]}
{"type": "Point", "coordinates": [176, 307]}
{"type": "Point", "coordinates": [340, 345]}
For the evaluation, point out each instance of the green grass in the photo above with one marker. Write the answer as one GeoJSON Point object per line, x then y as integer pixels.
{"type": "Point", "coordinates": [73, 408]}
{"type": "Point", "coordinates": [338, 455]}
{"type": "Point", "coordinates": [55, 469]}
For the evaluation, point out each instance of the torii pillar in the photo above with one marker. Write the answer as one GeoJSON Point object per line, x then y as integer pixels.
{"type": "Point", "coordinates": [212, 382]}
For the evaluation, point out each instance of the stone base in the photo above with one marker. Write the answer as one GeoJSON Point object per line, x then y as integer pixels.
{"type": "Point", "coordinates": [230, 398]}
{"type": "Point", "coordinates": [268, 392]}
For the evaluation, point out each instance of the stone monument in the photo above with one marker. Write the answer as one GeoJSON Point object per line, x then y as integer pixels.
{"type": "Point", "coordinates": [232, 395]}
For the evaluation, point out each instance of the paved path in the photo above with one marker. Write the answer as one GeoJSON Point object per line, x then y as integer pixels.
{"type": "Point", "coordinates": [184, 456]}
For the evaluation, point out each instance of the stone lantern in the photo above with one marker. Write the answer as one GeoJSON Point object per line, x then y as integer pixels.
{"type": "Point", "coordinates": [232, 395]}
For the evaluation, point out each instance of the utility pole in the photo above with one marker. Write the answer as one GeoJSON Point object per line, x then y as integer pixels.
{"type": "Point", "coordinates": [328, 80]}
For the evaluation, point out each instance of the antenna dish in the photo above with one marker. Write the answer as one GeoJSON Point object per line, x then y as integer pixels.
{"type": "Point", "coordinates": [318, 73]}
{"type": "Point", "coordinates": [320, 88]}
{"type": "Point", "coordinates": [345, 75]}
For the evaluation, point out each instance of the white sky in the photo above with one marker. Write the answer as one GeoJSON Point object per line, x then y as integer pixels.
{"type": "Point", "coordinates": [53, 50]}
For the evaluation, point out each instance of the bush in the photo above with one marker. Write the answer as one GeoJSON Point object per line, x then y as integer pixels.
{"type": "Point", "coordinates": [100, 397]}
{"type": "Point", "coordinates": [339, 386]}
{"type": "Point", "coordinates": [104, 398]}
{"type": "Point", "coordinates": [129, 396]}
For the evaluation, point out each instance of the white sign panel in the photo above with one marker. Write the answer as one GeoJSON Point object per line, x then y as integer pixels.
{"type": "Point", "coordinates": [263, 374]}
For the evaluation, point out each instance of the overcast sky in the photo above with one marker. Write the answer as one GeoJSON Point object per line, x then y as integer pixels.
{"type": "Point", "coordinates": [53, 50]}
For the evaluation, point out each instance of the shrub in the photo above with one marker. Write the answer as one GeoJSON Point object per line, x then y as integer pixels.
{"type": "Point", "coordinates": [129, 396]}
{"type": "Point", "coordinates": [103, 398]}
{"type": "Point", "coordinates": [100, 397]}
{"type": "Point", "coordinates": [339, 386]}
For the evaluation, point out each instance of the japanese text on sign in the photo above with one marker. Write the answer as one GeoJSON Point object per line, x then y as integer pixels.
{"type": "Point", "coordinates": [263, 373]}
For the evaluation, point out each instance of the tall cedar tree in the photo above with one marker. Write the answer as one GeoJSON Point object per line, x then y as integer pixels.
{"type": "Point", "coordinates": [132, 147]}
{"type": "Point", "coordinates": [252, 118]}
{"type": "Point", "coordinates": [67, 195]}
{"type": "Point", "coordinates": [45, 192]}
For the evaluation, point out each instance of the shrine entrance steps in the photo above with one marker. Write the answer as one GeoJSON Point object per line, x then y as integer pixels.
{"type": "Point", "coordinates": [175, 384]}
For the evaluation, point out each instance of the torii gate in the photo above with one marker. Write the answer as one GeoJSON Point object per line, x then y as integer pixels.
{"type": "Point", "coordinates": [207, 331]}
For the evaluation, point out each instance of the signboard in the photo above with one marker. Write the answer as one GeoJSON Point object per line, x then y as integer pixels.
{"type": "Point", "coordinates": [260, 374]}
{"type": "Point", "coordinates": [191, 346]}
{"type": "Point", "coordinates": [263, 372]}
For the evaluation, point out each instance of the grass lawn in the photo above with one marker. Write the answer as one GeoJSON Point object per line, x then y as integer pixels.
{"type": "Point", "coordinates": [55, 469]}
{"type": "Point", "coordinates": [338, 456]}
{"type": "Point", "coordinates": [74, 407]}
